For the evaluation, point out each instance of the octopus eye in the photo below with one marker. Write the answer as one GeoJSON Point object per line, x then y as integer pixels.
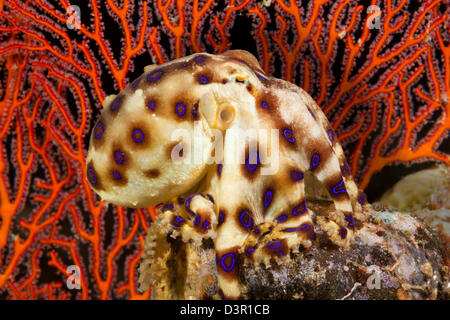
{"type": "Point", "coordinates": [226, 115]}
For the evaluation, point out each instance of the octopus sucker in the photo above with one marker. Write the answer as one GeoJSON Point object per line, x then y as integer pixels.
{"type": "Point", "coordinates": [177, 132]}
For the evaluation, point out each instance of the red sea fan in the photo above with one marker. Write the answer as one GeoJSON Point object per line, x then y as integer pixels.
{"type": "Point", "coordinates": [381, 73]}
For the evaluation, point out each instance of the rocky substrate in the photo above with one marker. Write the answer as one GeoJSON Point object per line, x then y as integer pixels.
{"type": "Point", "coordinates": [395, 256]}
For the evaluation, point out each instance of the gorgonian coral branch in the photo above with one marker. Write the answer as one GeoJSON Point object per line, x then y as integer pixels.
{"type": "Point", "coordinates": [385, 91]}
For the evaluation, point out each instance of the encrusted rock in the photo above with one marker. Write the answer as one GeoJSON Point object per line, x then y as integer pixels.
{"type": "Point", "coordinates": [395, 256]}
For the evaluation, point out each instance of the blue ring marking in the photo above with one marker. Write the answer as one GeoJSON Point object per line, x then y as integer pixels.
{"type": "Point", "coordinates": [278, 244]}
{"type": "Point", "coordinates": [315, 160]}
{"type": "Point", "coordinates": [343, 232]}
{"type": "Point", "coordinates": [291, 139]}
{"type": "Point", "coordinates": [151, 76]}
{"type": "Point", "coordinates": [249, 219]}
{"type": "Point", "coordinates": [135, 83]}
{"type": "Point", "coordinates": [296, 175]}
{"type": "Point", "coordinates": [206, 225]}
{"type": "Point", "coordinates": [188, 203]}
{"type": "Point", "coordinates": [350, 221]}
{"type": "Point", "coordinates": [249, 250]}
{"type": "Point", "coordinates": [223, 264]}
{"type": "Point", "coordinates": [177, 109]}
{"type": "Point", "coordinates": [361, 201]}
{"type": "Point", "coordinates": [330, 135]}
{"type": "Point", "coordinates": [167, 207]}
{"type": "Point", "coordinates": [346, 168]}
{"type": "Point", "coordinates": [203, 80]}
{"type": "Point", "coordinates": [199, 58]}
{"type": "Point", "coordinates": [312, 114]}
{"type": "Point", "coordinates": [115, 104]}
{"type": "Point", "coordinates": [151, 105]}
{"type": "Point", "coordinates": [134, 135]}
{"type": "Point", "coordinates": [179, 219]}
{"type": "Point", "coordinates": [118, 156]}
{"type": "Point", "coordinates": [335, 188]}
{"type": "Point", "coordinates": [197, 219]}
{"type": "Point", "coordinates": [267, 201]}
{"type": "Point", "coordinates": [184, 64]}
{"type": "Point", "coordinates": [91, 174]}
{"type": "Point", "coordinates": [248, 161]}
{"type": "Point", "coordinates": [282, 218]}
{"type": "Point", "coordinates": [221, 218]}
{"type": "Point", "coordinates": [219, 168]}
{"type": "Point", "coordinates": [303, 205]}
{"type": "Point", "coordinates": [261, 78]}
{"type": "Point", "coordinates": [301, 227]}
{"type": "Point", "coordinates": [264, 105]}
{"type": "Point", "coordinates": [100, 135]}
{"type": "Point", "coordinates": [116, 175]}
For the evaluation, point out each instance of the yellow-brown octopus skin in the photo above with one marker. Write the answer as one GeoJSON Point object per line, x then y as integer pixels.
{"type": "Point", "coordinates": [259, 206]}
